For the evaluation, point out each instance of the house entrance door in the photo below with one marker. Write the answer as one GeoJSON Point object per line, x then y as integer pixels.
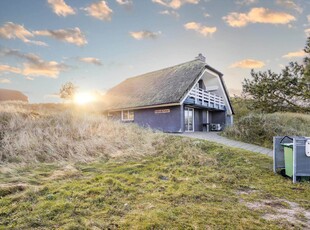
{"type": "Point", "coordinates": [189, 119]}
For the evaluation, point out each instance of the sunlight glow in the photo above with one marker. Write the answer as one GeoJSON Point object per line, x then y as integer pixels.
{"type": "Point", "coordinates": [84, 98]}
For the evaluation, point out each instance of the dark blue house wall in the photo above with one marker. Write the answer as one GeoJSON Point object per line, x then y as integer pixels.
{"type": "Point", "coordinates": [166, 122]}
{"type": "Point", "coordinates": [198, 120]}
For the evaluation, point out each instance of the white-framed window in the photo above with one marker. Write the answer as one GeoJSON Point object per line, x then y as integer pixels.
{"type": "Point", "coordinates": [128, 115]}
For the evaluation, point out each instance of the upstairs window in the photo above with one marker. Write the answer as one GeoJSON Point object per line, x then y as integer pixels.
{"type": "Point", "coordinates": [128, 115]}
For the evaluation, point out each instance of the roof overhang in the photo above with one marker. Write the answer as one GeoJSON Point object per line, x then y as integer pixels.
{"type": "Point", "coordinates": [142, 107]}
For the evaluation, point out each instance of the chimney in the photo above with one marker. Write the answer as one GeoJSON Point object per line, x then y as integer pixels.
{"type": "Point", "coordinates": [200, 57]}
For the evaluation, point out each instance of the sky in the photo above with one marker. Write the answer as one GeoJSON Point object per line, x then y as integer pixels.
{"type": "Point", "coordinates": [98, 44]}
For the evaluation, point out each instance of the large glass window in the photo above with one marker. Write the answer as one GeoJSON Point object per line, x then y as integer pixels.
{"type": "Point", "coordinates": [128, 115]}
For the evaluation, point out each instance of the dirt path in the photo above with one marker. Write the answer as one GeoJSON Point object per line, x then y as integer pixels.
{"type": "Point", "coordinates": [215, 137]}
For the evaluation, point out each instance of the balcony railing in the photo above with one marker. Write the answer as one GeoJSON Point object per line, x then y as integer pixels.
{"type": "Point", "coordinates": [207, 99]}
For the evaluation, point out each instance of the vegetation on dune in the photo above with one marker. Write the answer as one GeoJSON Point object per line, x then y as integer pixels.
{"type": "Point", "coordinates": [79, 171]}
{"type": "Point", "coordinates": [288, 91]}
{"type": "Point", "coordinates": [186, 185]}
{"type": "Point", "coordinates": [273, 104]}
{"type": "Point", "coordinates": [260, 128]}
{"type": "Point", "coordinates": [44, 134]}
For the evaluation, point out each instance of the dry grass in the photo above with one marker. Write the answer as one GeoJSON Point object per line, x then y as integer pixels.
{"type": "Point", "coordinates": [58, 133]}
{"type": "Point", "coordinates": [258, 128]}
{"type": "Point", "coordinates": [165, 182]}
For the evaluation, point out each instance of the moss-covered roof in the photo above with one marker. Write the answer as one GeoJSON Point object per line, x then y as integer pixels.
{"type": "Point", "coordinates": [12, 95]}
{"type": "Point", "coordinates": [163, 86]}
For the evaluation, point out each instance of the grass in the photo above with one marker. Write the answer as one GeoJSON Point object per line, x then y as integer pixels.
{"type": "Point", "coordinates": [187, 184]}
{"type": "Point", "coordinates": [39, 133]}
{"type": "Point", "coordinates": [258, 128]}
{"type": "Point", "coordinates": [170, 183]}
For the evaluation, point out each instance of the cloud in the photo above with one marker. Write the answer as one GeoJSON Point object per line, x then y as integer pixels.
{"type": "Point", "coordinates": [99, 10]}
{"type": "Point", "coordinates": [52, 95]}
{"type": "Point", "coordinates": [33, 65]}
{"type": "Point", "coordinates": [126, 3]}
{"type": "Point", "coordinates": [289, 4]}
{"type": "Point", "coordinates": [258, 15]}
{"type": "Point", "coordinates": [246, 2]}
{"type": "Point", "coordinates": [175, 4]}
{"type": "Point", "coordinates": [248, 64]}
{"type": "Point", "coordinates": [5, 81]}
{"type": "Point", "coordinates": [299, 53]}
{"type": "Point", "coordinates": [206, 15]}
{"type": "Point", "coordinates": [61, 8]}
{"type": "Point", "coordinates": [11, 30]}
{"type": "Point", "coordinates": [170, 12]}
{"type": "Point", "coordinates": [204, 30]}
{"type": "Point", "coordinates": [9, 69]}
{"type": "Point", "coordinates": [74, 35]}
{"type": "Point", "coordinates": [91, 60]}
{"type": "Point", "coordinates": [49, 69]}
{"type": "Point", "coordinates": [144, 34]}
{"type": "Point", "coordinates": [307, 32]}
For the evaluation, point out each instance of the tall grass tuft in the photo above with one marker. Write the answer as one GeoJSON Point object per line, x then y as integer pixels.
{"type": "Point", "coordinates": [260, 128]}
{"type": "Point", "coordinates": [56, 133]}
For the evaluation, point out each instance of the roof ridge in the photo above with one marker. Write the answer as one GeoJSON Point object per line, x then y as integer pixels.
{"type": "Point", "coordinates": [141, 75]}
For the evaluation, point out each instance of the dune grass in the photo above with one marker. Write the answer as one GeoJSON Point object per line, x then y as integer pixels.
{"type": "Point", "coordinates": [135, 179]}
{"type": "Point", "coordinates": [51, 133]}
{"type": "Point", "coordinates": [259, 128]}
{"type": "Point", "coordinates": [186, 185]}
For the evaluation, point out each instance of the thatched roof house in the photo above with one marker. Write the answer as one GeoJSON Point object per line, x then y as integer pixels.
{"type": "Point", "coordinates": [185, 97]}
{"type": "Point", "coordinates": [12, 95]}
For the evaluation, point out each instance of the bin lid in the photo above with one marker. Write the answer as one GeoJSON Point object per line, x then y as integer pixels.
{"type": "Point", "coordinates": [289, 145]}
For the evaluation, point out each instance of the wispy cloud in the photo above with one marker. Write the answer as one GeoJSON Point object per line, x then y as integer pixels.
{"type": "Point", "coordinates": [5, 81]}
{"type": "Point", "coordinates": [9, 69]}
{"type": "Point", "coordinates": [61, 8]}
{"type": "Point", "coordinates": [73, 35]}
{"type": "Point", "coordinates": [248, 64]}
{"type": "Point", "coordinates": [144, 34]}
{"type": "Point", "coordinates": [91, 60]}
{"type": "Point", "coordinates": [170, 12]}
{"type": "Point", "coordinates": [206, 15]}
{"type": "Point", "coordinates": [52, 95]}
{"type": "Point", "coordinates": [290, 4]}
{"type": "Point", "coordinates": [126, 3]}
{"type": "Point", "coordinates": [175, 4]}
{"type": "Point", "coordinates": [33, 65]}
{"type": "Point", "coordinates": [11, 30]}
{"type": "Point", "coordinates": [307, 32]}
{"type": "Point", "coordinates": [246, 2]}
{"type": "Point", "coordinates": [203, 30]}
{"type": "Point", "coordinates": [299, 53]}
{"type": "Point", "coordinates": [99, 10]}
{"type": "Point", "coordinates": [258, 15]}
{"type": "Point", "coordinates": [49, 69]}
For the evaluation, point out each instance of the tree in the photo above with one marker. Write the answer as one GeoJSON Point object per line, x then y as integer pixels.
{"type": "Point", "coordinates": [287, 91]}
{"type": "Point", "coordinates": [67, 91]}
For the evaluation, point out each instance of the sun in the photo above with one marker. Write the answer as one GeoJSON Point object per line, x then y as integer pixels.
{"type": "Point", "coordinates": [84, 98]}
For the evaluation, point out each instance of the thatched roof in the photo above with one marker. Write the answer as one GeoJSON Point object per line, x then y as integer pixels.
{"type": "Point", "coordinates": [12, 95]}
{"type": "Point", "coordinates": [165, 86]}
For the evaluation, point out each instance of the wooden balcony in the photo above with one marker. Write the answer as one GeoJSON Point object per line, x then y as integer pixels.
{"type": "Point", "coordinates": [202, 98]}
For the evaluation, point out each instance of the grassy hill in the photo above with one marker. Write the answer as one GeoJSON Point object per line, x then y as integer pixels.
{"type": "Point", "coordinates": [259, 128]}
{"type": "Point", "coordinates": [75, 170]}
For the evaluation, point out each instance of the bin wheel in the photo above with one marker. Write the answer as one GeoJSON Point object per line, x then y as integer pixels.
{"type": "Point", "coordinates": [282, 172]}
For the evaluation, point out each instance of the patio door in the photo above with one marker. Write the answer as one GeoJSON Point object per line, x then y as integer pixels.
{"type": "Point", "coordinates": [189, 119]}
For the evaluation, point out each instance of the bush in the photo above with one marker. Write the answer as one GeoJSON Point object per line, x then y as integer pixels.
{"type": "Point", "coordinates": [260, 128]}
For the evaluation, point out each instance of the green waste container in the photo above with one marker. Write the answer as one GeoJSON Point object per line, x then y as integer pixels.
{"type": "Point", "coordinates": [288, 158]}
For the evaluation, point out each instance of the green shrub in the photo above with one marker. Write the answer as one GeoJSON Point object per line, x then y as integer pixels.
{"type": "Point", "coordinates": [261, 128]}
